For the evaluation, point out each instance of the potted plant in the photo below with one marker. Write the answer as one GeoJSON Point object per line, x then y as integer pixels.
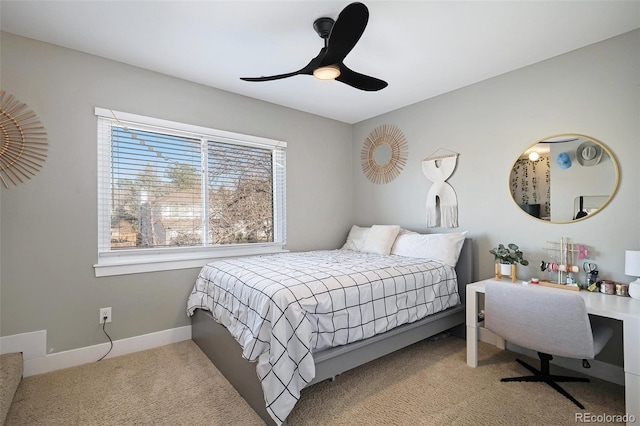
{"type": "Point", "coordinates": [507, 257]}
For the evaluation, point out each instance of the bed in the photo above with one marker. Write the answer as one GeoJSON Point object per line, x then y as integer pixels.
{"type": "Point", "coordinates": [287, 321]}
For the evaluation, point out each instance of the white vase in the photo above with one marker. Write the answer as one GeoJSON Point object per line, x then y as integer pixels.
{"type": "Point", "coordinates": [634, 289]}
{"type": "Point", "coordinates": [505, 269]}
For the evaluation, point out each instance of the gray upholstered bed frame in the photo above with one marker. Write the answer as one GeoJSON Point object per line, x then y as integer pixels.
{"type": "Point", "coordinates": [226, 354]}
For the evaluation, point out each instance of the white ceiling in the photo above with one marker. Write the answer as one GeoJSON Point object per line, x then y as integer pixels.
{"type": "Point", "coordinates": [422, 49]}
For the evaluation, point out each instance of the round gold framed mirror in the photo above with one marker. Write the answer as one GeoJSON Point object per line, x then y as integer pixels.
{"type": "Point", "coordinates": [564, 178]}
{"type": "Point", "coordinates": [384, 154]}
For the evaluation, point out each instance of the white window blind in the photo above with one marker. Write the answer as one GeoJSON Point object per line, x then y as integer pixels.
{"type": "Point", "coordinates": [167, 189]}
{"type": "Point", "coordinates": [155, 189]}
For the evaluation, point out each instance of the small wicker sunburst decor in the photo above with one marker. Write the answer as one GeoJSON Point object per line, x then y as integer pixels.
{"type": "Point", "coordinates": [394, 139]}
{"type": "Point", "coordinates": [23, 146]}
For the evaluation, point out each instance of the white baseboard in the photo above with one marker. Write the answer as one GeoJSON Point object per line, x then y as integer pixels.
{"type": "Point", "coordinates": [32, 344]}
{"type": "Point", "coordinates": [602, 370]}
{"type": "Point", "coordinates": [74, 357]}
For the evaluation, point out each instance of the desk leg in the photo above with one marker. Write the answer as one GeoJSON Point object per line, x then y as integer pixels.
{"type": "Point", "coordinates": [631, 336]}
{"type": "Point", "coordinates": [472, 327]}
{"type": "Point", "coordinates": [472, 346]}
{"type": "Point", "coordinates": [631, 396]}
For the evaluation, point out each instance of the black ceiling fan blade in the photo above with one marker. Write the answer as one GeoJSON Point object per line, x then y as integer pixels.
{"type": "Point", "coordinates": [345, 33]}
{"type": "Point", "coordinates": [308, 69]}
{"type": "Point", "coordinates": [340, 38]}
{"type": "Point", "coordinates": [360, 81]}
{"type": "Point", "coordinates": [270, 77]}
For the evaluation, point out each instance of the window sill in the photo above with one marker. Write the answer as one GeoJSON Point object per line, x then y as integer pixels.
{"type": "Point", "coordinates": [124, 262]}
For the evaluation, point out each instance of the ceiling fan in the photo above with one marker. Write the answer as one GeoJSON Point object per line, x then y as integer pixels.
{"type": "Point", "coordinates": [340, 37]}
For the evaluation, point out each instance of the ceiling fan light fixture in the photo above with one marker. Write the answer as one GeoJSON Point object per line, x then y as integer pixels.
{"type": "Point", "coordinates": [330, 72]}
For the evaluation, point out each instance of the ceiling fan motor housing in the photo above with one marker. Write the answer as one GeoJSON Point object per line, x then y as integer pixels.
{"type": "Point", "coordinates": [323, 27]}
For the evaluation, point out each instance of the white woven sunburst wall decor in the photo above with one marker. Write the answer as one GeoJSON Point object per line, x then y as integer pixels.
{"type": "Point", "coordinates": [24, 141]}
{"type": "Point", "coordinates": [394, 139]}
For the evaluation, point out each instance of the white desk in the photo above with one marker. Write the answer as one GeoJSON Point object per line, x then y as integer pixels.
{"type": "Point", "coordinates": [624, 309]}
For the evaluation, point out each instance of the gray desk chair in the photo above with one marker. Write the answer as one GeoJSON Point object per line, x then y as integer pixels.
{"type": "Point", "coordinates": [549, 321]}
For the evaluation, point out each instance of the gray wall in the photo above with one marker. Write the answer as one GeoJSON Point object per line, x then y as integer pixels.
{"type": "Point", "coordinates": [593, 91]}
{"type": "Point", "coordinates": [49, 224]}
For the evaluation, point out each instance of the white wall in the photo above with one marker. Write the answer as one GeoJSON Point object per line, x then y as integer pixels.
{"type": "Point", "coordinates": [49, 223]}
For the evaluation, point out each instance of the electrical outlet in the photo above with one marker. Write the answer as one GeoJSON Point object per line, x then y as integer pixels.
{"type": "Point", "coordinates": [105, 313]}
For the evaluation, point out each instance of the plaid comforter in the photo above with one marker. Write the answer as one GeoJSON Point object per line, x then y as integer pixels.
{"type": "Point", "coordinates": [281, 308]}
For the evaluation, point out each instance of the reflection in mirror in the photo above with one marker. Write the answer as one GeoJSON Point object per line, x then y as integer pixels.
{"type": "Point", "coordinates": [588, 205]}
{"type": "Point", "coordinates": [382, 155]}
{"type": "Point", "coordinates": [564, 178]}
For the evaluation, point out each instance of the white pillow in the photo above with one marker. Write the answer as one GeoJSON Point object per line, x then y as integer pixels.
{"type": "Point", "coordinates": [444, 248]}
{"type": "Point", "coordinates": [356, 237]}
{"type": "Point", "coordinates": [401, 233]}
{"type": "Point", "coordinates": [380, 239]}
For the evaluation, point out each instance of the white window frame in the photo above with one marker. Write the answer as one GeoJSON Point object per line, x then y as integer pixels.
{"type": "Point", "coordinates": [131, 261]}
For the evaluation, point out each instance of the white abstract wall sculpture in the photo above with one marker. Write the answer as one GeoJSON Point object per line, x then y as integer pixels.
{"type": "Point", "coordinates": [438, 169]}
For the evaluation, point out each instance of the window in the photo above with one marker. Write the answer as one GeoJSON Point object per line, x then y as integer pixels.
{"type": "Point", "coordinates": [173, 195]}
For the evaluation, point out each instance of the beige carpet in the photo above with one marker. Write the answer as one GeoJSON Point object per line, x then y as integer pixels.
{"type": "Point", "coordinates": [171, 385]}
{"type": "Point", "coordinates": [426, 384]}
{"type": "Point", "coordinates": [11, 368]}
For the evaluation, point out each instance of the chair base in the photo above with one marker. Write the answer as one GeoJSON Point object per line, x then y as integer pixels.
{"type": "Point", "coordinates": [543, 375]}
